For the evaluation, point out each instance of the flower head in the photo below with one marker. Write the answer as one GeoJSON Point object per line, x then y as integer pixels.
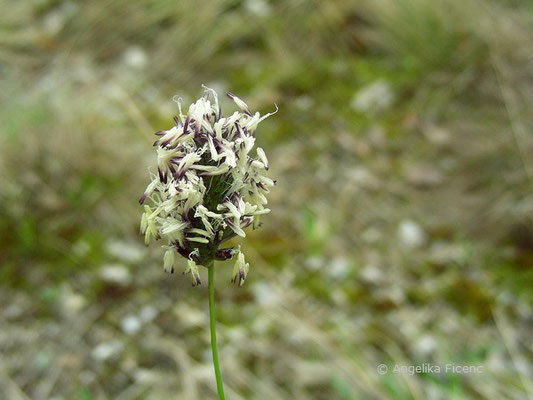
{"type": "Point", "coordinates": [210, 185]}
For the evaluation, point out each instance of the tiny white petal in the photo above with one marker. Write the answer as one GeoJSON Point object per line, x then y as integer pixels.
{"type": "Point", "coordinates": [168, 261]}
{"type": "Point", "coordinates": [262, 156]}
{"type": "Point", "coordinates": [234, 210]}
{"type": "Point", "coordinates": [219, 171]}
{"type": "Point", "coordinates": [199, 232]}
{"type": "Point", "coordinates": [198, 239]}
{"type": "Point", "coordinates": [258, 164]}
{"type": "Point", "coordinates": [241, 104]}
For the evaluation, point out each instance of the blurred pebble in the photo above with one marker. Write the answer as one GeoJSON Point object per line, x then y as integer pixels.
{"type": "Point", "coordinates": [371, 274]}
{"type": "Point", "coordinates": [311, 373]}
{"type": "Point", "coordinates": [106, 350]}
{"type": "Point", "coordinates": [73, 302]}
{"type": "Point", "coordinates": [81, 248]}
{"type": "Point", "coordinates": [259, 8]}
{"type": "Point", "coordinates": [265, 294]}
{"type": "Point", "coordinates": [361, 177]}
{"type": "Point", "coordinates": [235, 334]}
{"type": "Point", "coordinates": [260, 325]}
{"type": "Point", "coordinates": [70, 360]}
{"type": "Point", "coordinates": [377, 136]}
{"type": "Point", "coordinates": [371, 235]}
{"type": "Point", "coordinates": [145, 376]}
{"type": "Point", "coordinates": [135, 57]}
{"type": "Point", "coordinates": [373, 98]}
{"type": "Point", "coordinates": [395, 294]}
{"type": "Point", "coordinates": [411, 234]}
{"type": "Point", "coordinates": [43, 359]}
{"type": "Point", "coordinates": [426, 345]}
{"type": "Point", "coordinates": [338, 267]}
{"type": "Point", "coordinates": [434, 393]}
{"type": "Point", "coordinates": [506, 298]}
{"type": "Point", "coordinates": [125, 251]}
{"type": "Point", "coordinates": [437, 135]}
{"type": "Point", "coordinates": [423, 175]}
{"type": "Point", "coordinates": [444, 253]}
{"type": "Point", "coordinates": [53, 22]}
{"type": "Point", "coordinates": [52, 329]}
{"type": "Point", "coordinates": [131, 324]}
{"type": "Point", "coordinates": [203, 372]}
{"type": "Point", "coordinates": [13, 311]}
{"type": "Point", "coordinates": [522, 367]}
{"type": "Point", "coordinates": [496, 362]}
{"type": "Point", "coordinates": [87, 377]}
{"type": "Point", "coordinates": [147, 313]}
{"type": "Point", "coordinates": [304, 103]}
{"type": "Point", "coordinates": [524, 311]}
{"type": "Point", "coordinates": [116, 274]}
{"type": "Point", "coordinates": [189, 316]}
{"type": "Point", "coordinates": [314, 263]}
{"type": "Point", "coordinates": [339, 297]}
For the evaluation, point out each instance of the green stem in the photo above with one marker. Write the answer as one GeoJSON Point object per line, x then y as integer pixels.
{"type": "Point", "coordinates": [211, 274]}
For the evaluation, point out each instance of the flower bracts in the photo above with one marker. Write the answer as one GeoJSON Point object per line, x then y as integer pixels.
{"type": "Point", "coordinates": [209, 185]}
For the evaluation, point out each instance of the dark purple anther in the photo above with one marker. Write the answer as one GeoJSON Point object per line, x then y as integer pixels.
{"type": "Point", "coordinates": [186, 125]}
{"type": "Point", "coordinates": [224, 254]}
{"type": "Point", "coordinates": [246, 222]}
{"type": "Point", "coordinates": [239, 129]}
{"type": "Point", "coordinates": [162, 176]}
{"type": "Point", "coordinates": [230, 223]}
{"type": "Point", "coordinates": [165, 143]}
{"type": "Point", "coordinates": [172, 168]}
{"type": "Point", "coordinates": [183, 252]}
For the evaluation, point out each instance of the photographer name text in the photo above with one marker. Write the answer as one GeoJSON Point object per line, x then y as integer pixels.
{"type": "Point", "coordinates": [428, 368]}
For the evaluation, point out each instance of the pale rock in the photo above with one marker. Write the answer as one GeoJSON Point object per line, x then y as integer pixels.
{"type": "Point", "coordinates": [304, 103]}
{"type": "Point", "coordinates": [131, 324]}
{"type": "Point", "coordinates": [424, 175]}
{"type": "Point", "coordinates": [125, 251]}
{"type": "Point", "coordinates": [260, 8]}
{"type": "Point", "coordinates": [265, 294]}
{"type": "Point", "coordinates": [426, 345]}
{"type": "Point", "coordinates": [338, 268]}
{"type": "Point", "coordinates": [107, 350]}
{"type": "Point", "coordinates": [372, 274]}
{"type": "Point", "coordinates": [147, 313]}
{"type": "Point", "coordinates": [437, 135]}
{"type": "Point", "coordinates": [73, 302]}
{"type": "Point", "coordinates": [373, 98]}
{"type": "Point", "coordinates": [116, 274]}
{"type": "Point", "coordinates": [411, 234]}
{"type": "Point", "coordinates": [314, 263]}
{"type": "Point", "coordinates": [135, 57]}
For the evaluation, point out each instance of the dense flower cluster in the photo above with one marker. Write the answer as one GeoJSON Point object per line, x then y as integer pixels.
{"type": "Point", "coordinates": [208, 187]}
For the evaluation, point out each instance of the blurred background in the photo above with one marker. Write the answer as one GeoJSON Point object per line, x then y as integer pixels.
{"type": "Point", "coordinates": [401, 226]}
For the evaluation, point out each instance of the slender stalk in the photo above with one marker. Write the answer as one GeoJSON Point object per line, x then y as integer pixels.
{"type": "Point", "coordinates": [211, 274]}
